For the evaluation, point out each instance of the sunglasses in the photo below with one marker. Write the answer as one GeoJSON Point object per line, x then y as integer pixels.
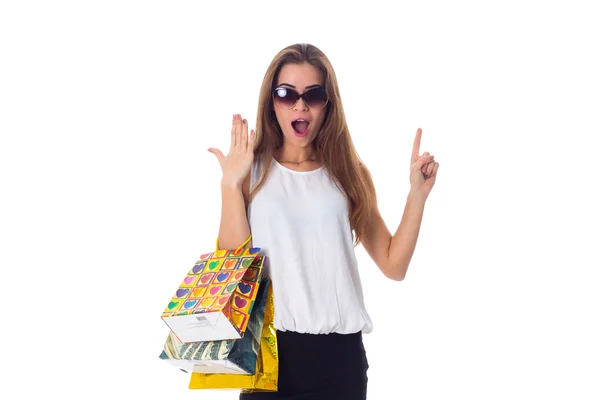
{"type": "Point", "coordinates": [287, 98]}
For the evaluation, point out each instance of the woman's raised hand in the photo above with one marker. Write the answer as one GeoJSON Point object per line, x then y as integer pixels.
{"type": "Point", "coordinates": [423, 169]}
{"type": "Point", "coordinates": [236, 165]}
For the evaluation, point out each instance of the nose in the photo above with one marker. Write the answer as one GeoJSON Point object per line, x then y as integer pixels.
{"type": "Point", "coordinates": [300, 105]}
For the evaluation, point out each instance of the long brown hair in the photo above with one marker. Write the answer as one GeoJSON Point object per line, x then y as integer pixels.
{"type": "Point", "coordinates": [333, 143]}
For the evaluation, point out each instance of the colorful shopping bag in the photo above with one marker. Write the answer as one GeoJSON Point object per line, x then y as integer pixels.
{"type": "Point", "coordinates": [232, 356]}
{"type": "Point", "coordinates": [267, 365]}
{"type": "Point", "coordinates": [215, 299]}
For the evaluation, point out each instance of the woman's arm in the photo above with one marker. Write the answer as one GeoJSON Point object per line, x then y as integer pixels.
{"type": "Point", "coordinates": [392, 254]}
{"type": "Point", "coordinates": [234, 228]}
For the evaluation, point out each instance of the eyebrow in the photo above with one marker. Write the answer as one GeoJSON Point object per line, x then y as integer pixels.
{"type": "Point", "coordinates": [294, 87]}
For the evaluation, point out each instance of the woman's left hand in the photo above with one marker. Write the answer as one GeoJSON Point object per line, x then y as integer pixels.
{"type": "Point", "coordinates": [423, 169]}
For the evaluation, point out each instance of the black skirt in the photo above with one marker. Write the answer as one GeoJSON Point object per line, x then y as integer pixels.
{"type": "Point", "coordinates": [332, 366]}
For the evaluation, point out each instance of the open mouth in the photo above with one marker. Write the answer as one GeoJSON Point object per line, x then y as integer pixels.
{"type": "Point", "coordinates": [300, 127]}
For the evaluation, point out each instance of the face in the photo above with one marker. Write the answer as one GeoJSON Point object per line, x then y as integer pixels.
{"type": "Point", "coordinates": [300, 78]}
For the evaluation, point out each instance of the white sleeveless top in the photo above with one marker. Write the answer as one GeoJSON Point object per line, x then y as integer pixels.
{"type": "Point", "coordinates": [300, 221]}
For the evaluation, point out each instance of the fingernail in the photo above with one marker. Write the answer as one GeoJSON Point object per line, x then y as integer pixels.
{"type": "Point", "coordinates": [244, 122]}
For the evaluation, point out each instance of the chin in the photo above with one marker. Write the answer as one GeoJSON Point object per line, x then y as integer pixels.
{"type": "Point", "coordinates": [303, 141]}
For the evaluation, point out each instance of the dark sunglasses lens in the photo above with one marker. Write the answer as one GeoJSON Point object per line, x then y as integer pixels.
{"type": "Point", "coordinates": [285, 98]}
{"type": "Point", "coordinates": [316, 98]}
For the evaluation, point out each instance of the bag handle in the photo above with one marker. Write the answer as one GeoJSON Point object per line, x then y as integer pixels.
{"type": "Point", "coordinates": [239, 248]}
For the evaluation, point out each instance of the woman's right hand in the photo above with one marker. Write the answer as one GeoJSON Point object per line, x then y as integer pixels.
{"type": "Point", "coordinates": [236, 165]}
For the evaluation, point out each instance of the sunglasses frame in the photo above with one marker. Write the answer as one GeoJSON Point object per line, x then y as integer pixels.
{"type": "Point", "coordinates": [300, 96]}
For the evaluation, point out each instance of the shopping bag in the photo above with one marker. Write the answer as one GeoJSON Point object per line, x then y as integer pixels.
{"type": "Point", "coordinates": [232, 356]}
{"type": "Point", "coordinates": [267, 365]}
{"type": "Point", "coordinates": [215, 299]}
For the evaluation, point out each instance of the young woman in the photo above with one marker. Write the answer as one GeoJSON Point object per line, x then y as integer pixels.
{"type": "Point", "coordinates": [298, 185]}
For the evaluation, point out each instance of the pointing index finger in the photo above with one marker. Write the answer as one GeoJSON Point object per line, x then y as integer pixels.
{"type": "Point", "coordinates": [416, 145]}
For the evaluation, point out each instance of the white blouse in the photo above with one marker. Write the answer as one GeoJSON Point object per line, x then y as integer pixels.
{"type": "Point", "coordinates": [300, 221]}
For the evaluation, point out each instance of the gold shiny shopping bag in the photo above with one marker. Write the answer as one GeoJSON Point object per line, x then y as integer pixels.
{"type": "Point", "coordinates": [267, 365]}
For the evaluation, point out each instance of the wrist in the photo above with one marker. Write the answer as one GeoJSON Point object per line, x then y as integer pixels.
{"type": "Point", "coordinates": [229, 185]}
{"type": "Point", "coordinates": [417, 197]}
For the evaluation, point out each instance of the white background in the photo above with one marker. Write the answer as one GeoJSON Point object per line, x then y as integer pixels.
{"type": "Point", "coordinates": [109, 195]}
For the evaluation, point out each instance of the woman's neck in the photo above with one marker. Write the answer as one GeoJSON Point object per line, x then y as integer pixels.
{"type": "Point", "coordinates": [295, 154]}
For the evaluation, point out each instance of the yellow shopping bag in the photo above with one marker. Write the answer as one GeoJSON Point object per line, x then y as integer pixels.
{"type": "Point", "coordinates": [267, 365]}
